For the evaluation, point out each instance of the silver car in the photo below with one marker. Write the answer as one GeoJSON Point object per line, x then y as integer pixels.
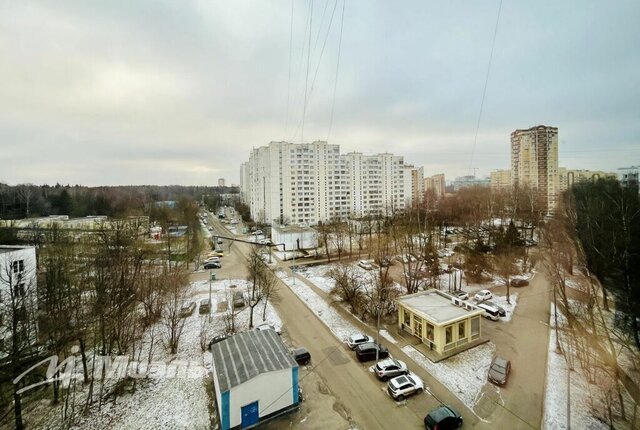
{"type": "Point", "coordinates": [390, 368]}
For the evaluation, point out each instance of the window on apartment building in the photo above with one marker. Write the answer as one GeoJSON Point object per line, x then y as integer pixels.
{"type": "Point", "coordinates": [19, 290]}
{"type": "Point", "coordinates": [18, 266]}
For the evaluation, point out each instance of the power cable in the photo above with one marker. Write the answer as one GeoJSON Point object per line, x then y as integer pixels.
{"type": "Point", "coordinates": [306, 84]}
{"type": "Point", "coordinates": [484, 91]}
{"type": "Point", "coordinates": [286, 124]}
{"type": "Point", "coordinates": [335, 84]}
{"type": "Point", "coordinates": [313, 82]}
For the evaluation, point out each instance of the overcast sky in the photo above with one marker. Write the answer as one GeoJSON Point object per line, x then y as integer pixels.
{"type": "Point", "coordinates": [148, 92]}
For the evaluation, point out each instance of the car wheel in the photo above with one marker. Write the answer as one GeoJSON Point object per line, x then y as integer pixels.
{"type": "Point", "coordinates": [385, 378]}
{"type": "Point", "coordinates": [419, 391]}
{"type": "Point", "coordinates": [400, 398]}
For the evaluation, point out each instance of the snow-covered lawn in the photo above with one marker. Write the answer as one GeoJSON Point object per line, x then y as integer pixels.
{"type": "Point", "coordinates": [463, 374]}
{"type": "Point", "coordinates": [174, 394]}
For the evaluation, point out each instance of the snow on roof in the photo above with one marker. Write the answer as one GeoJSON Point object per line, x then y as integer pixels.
{"type": "Point", "coordinates": [437, 306]}
{"type": "Point", "coordinates": [247, 355]}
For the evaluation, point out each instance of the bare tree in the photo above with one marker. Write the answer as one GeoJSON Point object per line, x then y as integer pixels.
{"type": "Point", "coordinates": [172, 306]}
{"type": "Point", "coordinates": [349, 286]}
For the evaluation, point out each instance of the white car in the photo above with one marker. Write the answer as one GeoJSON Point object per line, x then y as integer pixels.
{"type": "Point", "coordinates": [358, 339]}
{"type": "Point", "coordinates": [483, 295]}
{"type": "Point", "coordinates": [405, 385]}
{"type": "Point", "coordinates": [365, 264]}
{"type": "Point", "coordinates": [267, 326]}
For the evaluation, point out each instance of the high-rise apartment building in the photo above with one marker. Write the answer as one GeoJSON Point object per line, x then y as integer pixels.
{"type": "Point", "coordinates": [414, 181]}
{"type": "Point", "coordinates": [221, 182]}
{"type": "Point", "coordinates": [500, 180]}
{"type": "Point", "coordinates": [534, 162]}
{"type": "Point", "coordinates": [436, 184]}
{"type": "Point", "coordinates": [312, 182]}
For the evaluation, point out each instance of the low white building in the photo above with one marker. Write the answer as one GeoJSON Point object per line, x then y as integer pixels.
{"type": "Point", "coordinates": [294, 237]}
{"type": "Point", "coordinates": [17, 291]}
{"type": "Point", "coordinates": [255, 378]}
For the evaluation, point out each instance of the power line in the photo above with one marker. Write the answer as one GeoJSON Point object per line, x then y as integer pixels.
{"type": "Point", "coordinates": [306, 84]}
{"type": "Point", "coordinates": [486, 81]}
{"type": "Point", "coordinates": [286, 124]}
{"type": "Point", "coordinates": [335, 84]}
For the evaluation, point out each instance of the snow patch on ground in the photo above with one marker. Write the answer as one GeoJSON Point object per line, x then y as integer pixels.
{"type": "Point", "coordinates": [341, 329]}
{"type": "Point", "coordinates": [388, 336]}
{"type": "Point", "coordinates": [464, 374]}
{"type": "Point", "coordinates": [555, 399]}
{"type": "Point", "coordinates": [509, 308]}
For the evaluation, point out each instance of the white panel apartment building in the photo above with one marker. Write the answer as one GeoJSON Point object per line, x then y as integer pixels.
{"type": "Point", "coordinates": [312, 182]}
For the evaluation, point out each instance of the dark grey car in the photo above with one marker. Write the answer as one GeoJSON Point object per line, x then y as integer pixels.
{"type": "Point", "coordinates": [499, 370]}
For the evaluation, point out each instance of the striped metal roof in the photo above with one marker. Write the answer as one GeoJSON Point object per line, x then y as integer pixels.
{"type": "Point", "coordinates": [247, 355]}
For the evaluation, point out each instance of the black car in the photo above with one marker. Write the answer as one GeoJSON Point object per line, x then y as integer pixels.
{"type": "Point", "coordinates": [301, 356]}
{"type": "Point", "coordinates": [367, 351]}
{"type": "Point", "coordinates": [217, 339]}
{"type": "Point", "coordinates": [443, 418]}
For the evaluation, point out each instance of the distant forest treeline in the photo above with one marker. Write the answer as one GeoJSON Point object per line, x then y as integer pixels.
{"type": "Point", "coordinates": [27, 200]}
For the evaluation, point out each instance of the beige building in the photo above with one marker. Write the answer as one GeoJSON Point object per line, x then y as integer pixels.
{"type": "Point", "coordinates": [534, 161]}
{"type": "Point", "coordinates": [568, 177]}
{"type": "Point", "coordinates": [500, 180]}
{"type": "Point", "coordinates": [436, 184]}
{"type": "Point", "coordinates": [414, 184]}
{"type": "Point", "coordinates": [445, 324]}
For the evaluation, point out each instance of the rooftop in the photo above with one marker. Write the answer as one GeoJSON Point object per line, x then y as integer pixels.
{"type": "Point", "coordinates": [437, 306]}
{"type": "Point", "coordinates": [247, 355]}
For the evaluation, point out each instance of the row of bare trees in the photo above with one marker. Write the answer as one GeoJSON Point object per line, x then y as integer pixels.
{"type": "Point", "coordinates": [588, 243]}
{"type": "Point", "coordinates": [97, 294]}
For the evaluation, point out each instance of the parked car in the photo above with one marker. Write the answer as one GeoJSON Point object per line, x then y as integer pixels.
{"type": "Point", "coordinates": [462, 295]}
{"type": "Point", "coordinates": [219, 253]}
{"type": "Point", "coordinates": [301, 356]}
{"type": "Point", "coordinates": [366, 265]}
{"type": "Point", "coordinates": [483, 295]}
{"type": "Point", "coordinates": [501, 311]}
{"type": "Point", "coordinates": [405, 385]}
{"type": "Point", "coordinates": [258, 232]}
{"type": "Point", "coordinates": [211, 258]}
{"type": "Point", "coordinates": [267, 326]}
{"type": "Point", "coordinates": [390, 368]}
{"type": "Point", "coordinates": [443, 418]}
{"type": "Point", "coordinates": [219, 241]}
{"type": "Point", "coordinates": [187, 308]}
{"type": "Point", "coordinates": [214, 264]}
{"type": "Point", "coordinates": [205, 306]}
{"type": "Point", "coordinates": [519, 282]}
{"type": "Point", "coordinates": [238, 299]}
{"type": "Point", "coordinates": [218, 338]}
{"type": "Point", "coordinates": [357, 339]}
{"type": "Point", "coordinates": [499, 370]}
{"type": "Point", "coordinates": [489, 311]}
{"type": "Point", "coordinates": [384, 262]}
{"type": "Point", "coordinates": [367, 351]}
